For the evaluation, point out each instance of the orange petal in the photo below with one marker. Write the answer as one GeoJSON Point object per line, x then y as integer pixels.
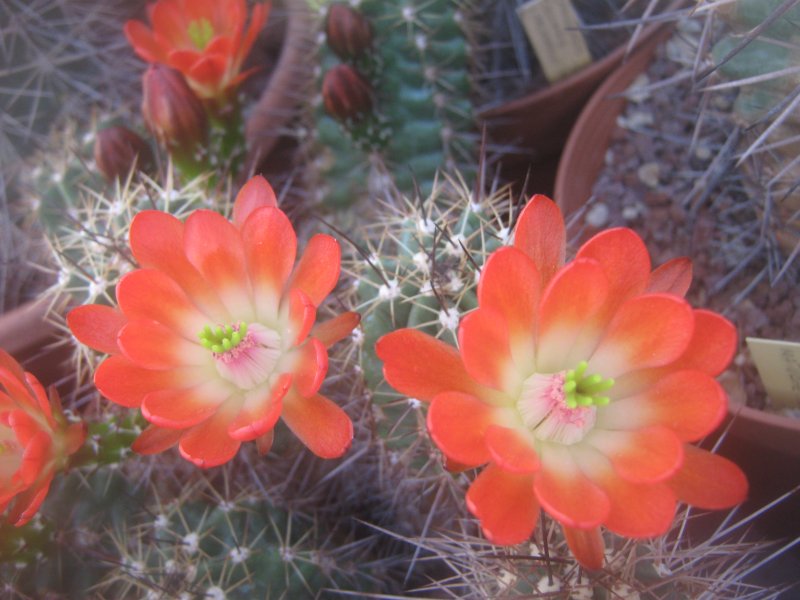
{"type": "Point", "coordinates": [270, 246]}
{"type": "Point", "coordinates": [708, 481]}
{"type": "Point", "coordinates": [28, 502]}
{"type": "Point", "coordinates": [312, 366]}
{"type": "Point", "coordinates": [624, 259]}
{"type": "Point", "coordinates": [37, 453]}
{"type": "Point", "coordinates": [647, 455]}
{"type": "Point", "coordinates": [25, 427]}
{"type": "Point", "coordinates": [505, 505]}
{"type": "Point", "coordinates": [690, 403]}
{"type": "Point", "coordinates": [150, 294]}
{"type": "Point", "coordinates": [97, 326]}
{"type": "Point", "coordinates": [207, 75]}
{"type": "Point", "coordinates": [260, 411]}
{"type": "Point", "coordinates": [156, 240]}
{"type": "Point", "coordinates": [647, 331]}
{"type": "Point", "coordinates": [336, 329]}
{"type": "Point", "coordinates": [567, 327]}
{"type": "Point", "coordinates": [182, 60]}
{"type": "Point", "coordinates": [257, 20]}
{"type": "Point", "coordinates": [302, 314]}
{"type": "Point", "coordinates": [264, 442]}
{"type": "Point", "coordinates": [566, 493]}
{"type": "Point", "coordinates": [14, 369]}
{"type": "Point", "coordinates": [256, 193]}
{"type": "Point", "coordinates": [421, 366]}
{"type": "Point", "coordinates": [155, 440]}
{"type": "Point", "coordinates": [586, 545]}
{"type": "Point", "coordinates": [540, 234]}
{"type": "Point", "coordinates": [126, 383]}
{"type": "Point", "coordinates": [509, 284]}
{"type": "Point", "coordinates": [183, 408]}
{"type": "Point", "coordinates": [170, 21]}
{"type": "Point", "coordinates": [673, 277]}
{"type": "Point", "coordinates": [213, 245]}
{"type": "Point", "coordinates": [511, 450]}
{"type": "Point", "coordinates": [153, 346]}
{"type": "Point", "coordinates": [712, 346]}
{"type": "Point", "coordinates": [638, 510]}
{"type": "Point", "coordinates": [485, 349]}
{"type": "Point", "coordinates": [208, 444]}
{"type": "Point", "coordinates": [143, 42]}
{"type": "Point", "coordinates": [319, 423]}
{"type": "Point", "coordinates": [457, 423]}
{"type": "Point", "coordinates": [318, 270]}
{"type": "Point", "coordinates": [42, 399]}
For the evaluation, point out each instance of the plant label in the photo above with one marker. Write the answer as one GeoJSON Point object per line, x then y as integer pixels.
{"type": "Point", "coordinates": [778, 364]}
{"type": "Point", "coordinates": [553, 28]}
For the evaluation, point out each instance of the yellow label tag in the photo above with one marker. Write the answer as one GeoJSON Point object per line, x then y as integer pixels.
{"type": "Point", "coordinates": [778, 364]}
{"type": "Point", "coordinates": [552, 28]}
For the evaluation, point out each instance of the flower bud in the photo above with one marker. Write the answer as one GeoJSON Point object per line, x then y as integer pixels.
{"type": "Point", "coordinates": [346, 94]}
{"type": "Point", "coordinates": [117, 150]}
{"type": "Point", "coordinates": [171, 110]}
{"type": "Point", "coordinates": [349, 33]}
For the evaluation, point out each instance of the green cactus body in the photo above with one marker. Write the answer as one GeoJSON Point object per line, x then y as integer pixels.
{"type": "Point", "coordinates": [423, 274]}
{"type": "Point", "coordinates": [422, 121]}
{"type": "Point", "coordinates": [210, 547]}
{"type": "Point", "coordinates": [59, 550]}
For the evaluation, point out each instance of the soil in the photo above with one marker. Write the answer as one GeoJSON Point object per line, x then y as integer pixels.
{"type": "Point", "coordinates": [684, 196]}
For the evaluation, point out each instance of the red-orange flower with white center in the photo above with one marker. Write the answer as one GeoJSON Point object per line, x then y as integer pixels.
{"type": "Point", "coordinates": [214, 337]}
{"type": "Point", "coordinates": [35, 441]}
{"type": "Point", "coordinates": [580, 386]}
{"type": "Point", "coordinates": [203, 39]}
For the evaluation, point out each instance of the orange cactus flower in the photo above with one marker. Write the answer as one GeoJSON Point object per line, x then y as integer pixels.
{"type": "Point", "coordinates": [214, 337]}
{"type": "Point", "coordinates": [580, 385]}
{"type": "Point", "coordinates": [35, 441]}
{"type": "Point", "coordinates": [203, 39]}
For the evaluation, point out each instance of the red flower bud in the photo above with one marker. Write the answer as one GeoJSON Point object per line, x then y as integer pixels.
{"type": "Point", "coordinates": [171, 110]}
{"type": "Point", "coordinates": [117, 150]}
{"type": "Point", "coordinates": [349, 32]}
{"type": "Point", "coordinates": [346, 94]}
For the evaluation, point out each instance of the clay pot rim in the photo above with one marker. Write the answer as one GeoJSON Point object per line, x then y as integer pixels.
{"type": "Point", "coordinates": [743, 417]}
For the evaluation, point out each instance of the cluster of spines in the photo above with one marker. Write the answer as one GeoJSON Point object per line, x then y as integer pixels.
{"type": "Point", "coordinates": [418, 266]}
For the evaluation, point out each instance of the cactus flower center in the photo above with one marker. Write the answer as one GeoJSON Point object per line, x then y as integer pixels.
{"type": "Point", "coordinates": [562, 407]}
{"type": "Point", "coordinates": [246, 355]}
{"type": "Point", "coordinates": [200, 32]}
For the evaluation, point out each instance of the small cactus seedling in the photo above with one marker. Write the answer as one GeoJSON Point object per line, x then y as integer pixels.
{"type": "Point", "coordinates": [205, 544]}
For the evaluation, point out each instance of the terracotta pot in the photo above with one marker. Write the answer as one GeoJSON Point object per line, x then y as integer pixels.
{"type": "Point", "coordinates": [536, 126]}
{"type": "Point", "coordinates": [765, 445]}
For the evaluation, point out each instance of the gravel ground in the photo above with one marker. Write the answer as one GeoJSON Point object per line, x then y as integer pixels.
{"type": "Point", "coordinates": [679, 193]}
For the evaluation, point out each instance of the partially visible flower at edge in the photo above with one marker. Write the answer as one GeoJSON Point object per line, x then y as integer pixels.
{"type": "Point", "coordinates": [36, 441]}
{"type": "Point", "coordinates": [214, 337]}
{"type": "Point", "coordinates": [203, 39]}
{"type": "Point", "coordinates": [579, 385]}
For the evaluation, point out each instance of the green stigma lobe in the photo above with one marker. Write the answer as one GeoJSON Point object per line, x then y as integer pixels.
{"type": "Point", "coordinates": [222, 339]}
{"type": "Point", "coordinates": [582, 390]}
{"type": "Point", "coordinates": [200, 31]}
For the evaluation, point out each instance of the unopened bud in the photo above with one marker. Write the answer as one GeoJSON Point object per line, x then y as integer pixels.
{"type": "Point", "coordinates": [118, 150]}
{"type": "Point", "coordinates": [348, 32]}
{"type": "Point", "coordinates": [172, 111]}
{"type": "Point", "coordinates": [346, 94]}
